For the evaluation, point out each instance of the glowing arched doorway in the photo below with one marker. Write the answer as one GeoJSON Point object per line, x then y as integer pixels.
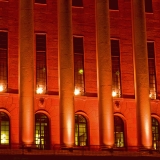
{"type": "Point", "coordinates": [155, 132]}
{"type": "Point", "coordinates": [4, 129]}
{"type": "Point", "coordinates": [42, 134]}
{"type": "Point", "coordinates": [81, 137]}
{"type": "Point", "coordinates": [119, 131]}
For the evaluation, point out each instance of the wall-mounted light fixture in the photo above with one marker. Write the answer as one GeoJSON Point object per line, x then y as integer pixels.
{"type": "Point", "coordinates": [76, 91]}
{"type": "Point", "coordinates": [40, 89]}
{"type": "Point", "coordinates": [2, 87]}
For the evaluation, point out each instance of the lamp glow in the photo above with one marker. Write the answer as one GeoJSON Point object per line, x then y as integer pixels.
{"type": "Point", "coordinates": [114, 94]}
{"type": "Point", "coordinates": [1, 88]}
{"type": "Point", "coordinates": [39, 90]}
{"type": "Point", "coordinates": [80, 71]}
{"type": "Point", "coordinates": [76, 92]}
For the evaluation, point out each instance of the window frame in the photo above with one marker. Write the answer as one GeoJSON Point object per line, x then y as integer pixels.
{"type": "Point", "coordinates": [154, 135]}
{"type": "Point", "coordinates": [152, 69]}
{"type": "Point", "coordinates": [41, 60]}
{"type": "Point", "coordinates": [4, 63]}
{"type": "Point", "coordinates": [3, 145]}
{"type": "Point", "coordinates": [148, 6]}
{"type": "Point", "coordinates": [116, 82]}
{"type": "Point", "coordinates": [86, 129]}
{"type": "Point", "coordinates": [113, 5]}
{"type": "Point", "coordinates": [38, 119]}
{"type": "Point", "coordinates": [122, 126]}
{"type": "Point", "coordinates": [39, 2]}
{"type": "Point", "coordinates": [79, 76]}
{"type": "Point", "coordinates": [77, 3]}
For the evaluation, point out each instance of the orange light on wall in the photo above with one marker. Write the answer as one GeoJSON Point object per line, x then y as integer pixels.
{"type": "Point", "coordinates": [69, 130]}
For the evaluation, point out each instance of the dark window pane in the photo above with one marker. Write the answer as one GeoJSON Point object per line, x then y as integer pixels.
{"type": "Point", "coordinates": [116, 76]}
{"type": "Point", "coordinates": [152, 72]}
{"type": "Point", "coordinates": [41, 76]}
{"type": "Point", "coordinates": [3, 40]}
{"type": "Point", "coordinates": [3, 61]}
{"type": "Point", "coordinates": [148, 6]}
{"type": "Point", "coordinates": [40, 1]}
{"type": "Point", "coordinates": [78, 65]}
{"type": "Point", "coordinates": [78, 45]}
{"type": "Point", "coordinates": [77, 3]}
{"type": "Point", "coordinates": [113, 4]}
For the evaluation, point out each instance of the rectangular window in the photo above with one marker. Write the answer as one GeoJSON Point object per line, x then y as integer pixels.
{"type": "Point", "coordinates": [78, 65]}
{"type": "Point", "coordinates": [40, 1]}
{"type": "Point", "coordinates": [152, 73]}
{"type": "Point", "coordinates": [113, 4]}
{"type": "Point", "coordinates": [3, 61]}
{"type": "Point", "coordinates": [148, 6]}
{"type": "Point", "coordinates": [77, 3]}
{"type": "Point", "coordinates": [41, 77]}
{"type": "Point", "coordinates": [116, 75]}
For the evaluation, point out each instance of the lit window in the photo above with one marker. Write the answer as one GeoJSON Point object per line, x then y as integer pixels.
{"type": "Point", "coordinates": [148, 6]}
{"type": "Point", "coordinates": [41, 64]}
{"type": "Point", "coordinates": [113, 4]}
{"type": "Point", "coordinates": [40, 1]}
{"type": "Point", "coordinates": [3, 61]}
{"type": "Point", "coordinates": [152, 73]}
{"type": "Point", "coordinates": [78, 65]}
{"type": "Point", "coordinates": [155, 133]}
{"type": "Point", "coordinates": [42, 137]}
{"type": "Point", "coordinates": [77, 3]}
{"type": "Point", "coordinates": [80, 130]}
{"type": "Point", "coordinates": [118, 131]}
{"type": "Point", "coordinates": [4, 129]}
{"type": "Point", "coordinates": [116, 75]}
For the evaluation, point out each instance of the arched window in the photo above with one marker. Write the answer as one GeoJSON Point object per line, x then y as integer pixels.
{"type": "Point", "coordinates": [4, 129]}
{"type": "Point", "coordinates": [80, 130]}
{"type": "Point", "coordinates": [118, 131]}
{"type": "Point", "coordinates": [42, 136]}
{"type": "Point", "coordinates": [155, 132]}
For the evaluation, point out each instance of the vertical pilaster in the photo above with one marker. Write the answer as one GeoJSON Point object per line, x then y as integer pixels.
{"type": "Point", "coordinates": [26, 72]}
{"type": "Point", "coordinates": [66, 72]}
{"type": "Point", "coordinates": [141, 75]}
{"type": "Point", "coordinates": [104, 77]}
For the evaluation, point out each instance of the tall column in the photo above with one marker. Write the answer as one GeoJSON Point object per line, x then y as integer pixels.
{"type": "Point", "coordinates": [66, 73]}
{"type": "Point", "coordinates": [104, 70]}
{"type": "Point", "coordinates": [141, 75]}
{"type": "Point", "coordinates": [26, 72]}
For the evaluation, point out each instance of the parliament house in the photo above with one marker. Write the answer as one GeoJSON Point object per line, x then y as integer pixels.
{"type": "Point", "coordinates": [80, 75]}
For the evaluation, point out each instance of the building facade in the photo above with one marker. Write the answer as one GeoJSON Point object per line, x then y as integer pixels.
{"type": "Point", "coordinates": [80, 73]}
